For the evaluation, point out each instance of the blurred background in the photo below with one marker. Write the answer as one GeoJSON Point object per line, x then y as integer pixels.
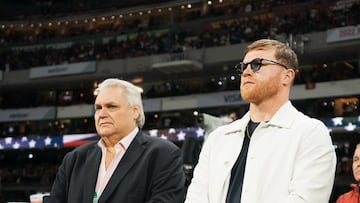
{"type": "Point", "coordinates": [53, 54]}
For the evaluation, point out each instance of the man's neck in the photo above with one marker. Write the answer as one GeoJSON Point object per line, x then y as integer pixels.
{"type": "Point", "coordinates": [265, 110]}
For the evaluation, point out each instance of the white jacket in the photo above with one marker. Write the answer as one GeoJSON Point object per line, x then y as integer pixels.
{"type": "Point", "coordinates": [290, 159]}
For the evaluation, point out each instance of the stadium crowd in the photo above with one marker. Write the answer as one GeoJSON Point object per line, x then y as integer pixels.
{"type": "Point", "coordinates": [234, 24]}
{"type": "Point", "coordinates": [238, 27]}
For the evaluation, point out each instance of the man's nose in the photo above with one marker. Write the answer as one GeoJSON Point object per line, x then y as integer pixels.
{"type": "Point", "coordinates": [102, 112]}
{"type": "Point", "coordinates": [247, 71]}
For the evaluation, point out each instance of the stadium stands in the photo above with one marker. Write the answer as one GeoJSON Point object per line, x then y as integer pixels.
{"type": "Point", "coordinates": [52, 59]}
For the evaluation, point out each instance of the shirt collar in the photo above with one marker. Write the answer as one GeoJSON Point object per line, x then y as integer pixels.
{"type": "Point", "coordinates": [284, 116]}
{"type": "Point", "coordinates": [124, 142]}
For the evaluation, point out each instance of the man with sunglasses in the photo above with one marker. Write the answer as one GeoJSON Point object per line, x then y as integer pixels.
{"type": "Point", "coordinates": [274, 153]}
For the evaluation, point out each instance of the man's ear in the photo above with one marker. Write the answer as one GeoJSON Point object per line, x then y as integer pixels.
{"type": "Point", "coordinates": [289, 77]}
{"type": "Point", "coordinates": [136, 112]}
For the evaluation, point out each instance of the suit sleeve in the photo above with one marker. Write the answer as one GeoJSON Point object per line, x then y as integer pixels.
{"type": "Point", "coordinates": [169, 178]}
{"type": "Point", "coordinates": [59, 191]}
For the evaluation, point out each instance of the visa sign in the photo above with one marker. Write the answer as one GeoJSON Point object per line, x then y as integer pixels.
{"type": "Point", "coordinates": [231, 98]}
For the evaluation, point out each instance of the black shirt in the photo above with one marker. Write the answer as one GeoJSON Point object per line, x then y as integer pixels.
{"type": "Point", "coordinates": [237, 172]}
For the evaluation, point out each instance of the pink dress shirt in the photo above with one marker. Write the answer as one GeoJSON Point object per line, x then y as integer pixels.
{"type": "Point", "coordinates": [120, 149]}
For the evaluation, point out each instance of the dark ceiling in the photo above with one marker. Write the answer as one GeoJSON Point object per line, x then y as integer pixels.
{"type": "Point", "coordinates": [23, 9]}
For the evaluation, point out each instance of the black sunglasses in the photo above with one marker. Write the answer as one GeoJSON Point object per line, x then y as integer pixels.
{"type": "Point", "coordinates": [255, 65]}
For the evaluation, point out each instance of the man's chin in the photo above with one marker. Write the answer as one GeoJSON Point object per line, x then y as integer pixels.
{"type": "Point", "coordinates": [248, 98]}
{"type": "Point", "coordinates": [104, 134]}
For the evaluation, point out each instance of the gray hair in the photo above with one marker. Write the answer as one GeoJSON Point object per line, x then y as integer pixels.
{"type": "Point", "coordinates": [132, 93]}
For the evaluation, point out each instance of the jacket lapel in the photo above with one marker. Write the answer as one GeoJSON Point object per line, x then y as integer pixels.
{"type": "Point", "coordinates": [130, 157]}
{"type": "Point", "coordinates": [228, 147]}
{"type": "Point", "coordinates": [92, 163]}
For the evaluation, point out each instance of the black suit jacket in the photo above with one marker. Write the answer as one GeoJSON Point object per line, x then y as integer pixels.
{"type": "Point", "coordinates": [150, 171]}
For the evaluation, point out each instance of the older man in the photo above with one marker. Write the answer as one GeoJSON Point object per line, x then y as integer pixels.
{"type": "Point", "coordinates": [125, 165]}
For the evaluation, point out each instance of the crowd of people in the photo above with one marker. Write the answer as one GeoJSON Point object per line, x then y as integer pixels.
{"type": "Point", "coordinates": [41, 174]}
{"type": "Point", "coordinates": [120, 99]}
{"type": "Point", "coordinates": [237, 28]}
{"type": "Point", "coordinates": [217, 33]}
{"type": "Point", "coordinates": [131, 23]}
{"type": "Point", "coordinates": [243, 23]}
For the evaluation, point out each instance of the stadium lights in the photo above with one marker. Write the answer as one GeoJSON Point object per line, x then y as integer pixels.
{"type": "Point", "coordinates": [104, 18]}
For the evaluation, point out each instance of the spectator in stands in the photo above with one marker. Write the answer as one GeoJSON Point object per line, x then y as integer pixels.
{"type": "Point", "coordinates": [233, 116]}
{"type": "Point", "coordinates": [125, 165]}
{"type": "Point", "coordinates": [353, 196]}
{"type": "Point", "coordinates": [274, 153]}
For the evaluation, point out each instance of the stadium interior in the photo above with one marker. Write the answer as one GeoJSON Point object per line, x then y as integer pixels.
{"type": "Point", "coordinates": [53, 54]}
